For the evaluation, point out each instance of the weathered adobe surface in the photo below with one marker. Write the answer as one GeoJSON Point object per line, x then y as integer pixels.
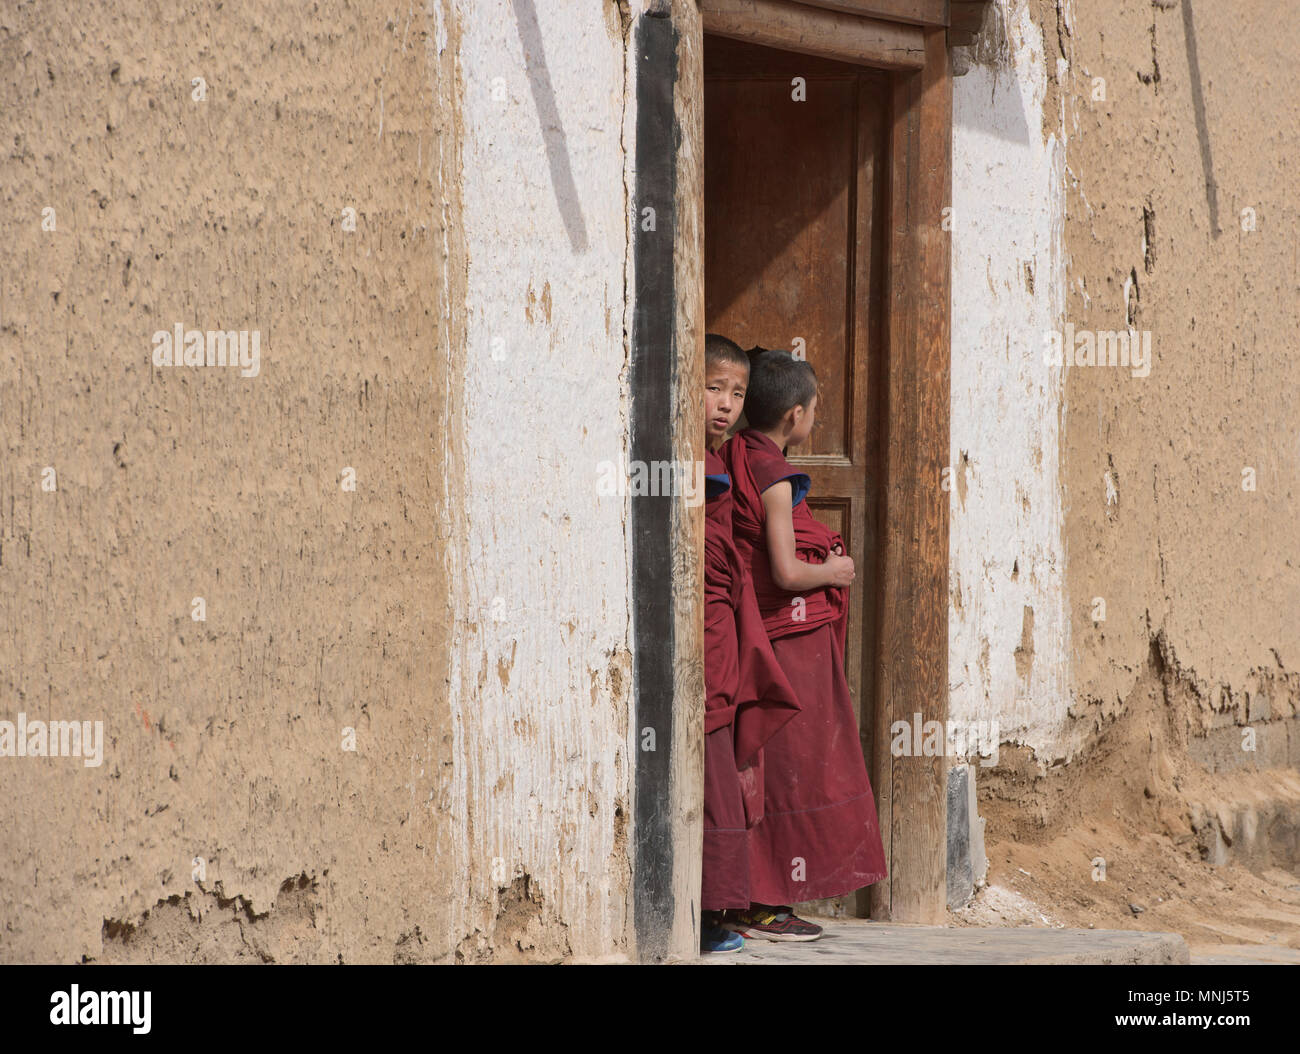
{"type": "Point", "coordinates": [325, 608]}
{"type": "Point", "coordinates": [1180, 220]}
{"type": "Point", "coordinates": [1212, 855]}
{"type": "Point", "coordinates": [1158, 523]}
{"type": "Point", "coordinates": [1144, 760]}
{"type": "Point", "coordinates": [298, 927]}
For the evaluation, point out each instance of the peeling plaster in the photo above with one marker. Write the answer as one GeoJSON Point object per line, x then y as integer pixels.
{"type": "Point", "coordinates": [544, 575]}
{"type": "Point", "coordinates": [1006, 546]}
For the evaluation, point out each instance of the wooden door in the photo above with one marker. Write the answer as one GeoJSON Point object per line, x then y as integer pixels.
{"type": "Point", "coordinates": [795, 178]}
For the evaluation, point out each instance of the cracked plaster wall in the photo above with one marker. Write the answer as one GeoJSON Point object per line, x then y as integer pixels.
{"type": "Point", "coordinates": [1125, 163]}
{"type": "Point", "coordinates": [462, 350]}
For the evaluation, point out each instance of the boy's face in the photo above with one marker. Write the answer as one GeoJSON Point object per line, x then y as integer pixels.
{"type": "Point", "coordinates": [803, 422]}
{"type": "Point", "coordinates": [724, 398]}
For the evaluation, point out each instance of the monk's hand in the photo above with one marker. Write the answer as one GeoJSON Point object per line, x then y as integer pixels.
{"type": "Point", "coordinates": [838, 550]}
{"type": "Point", "coordinates": [841, 570]}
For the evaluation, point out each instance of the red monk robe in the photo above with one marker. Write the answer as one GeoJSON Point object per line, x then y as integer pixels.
{"type": "Point", "coordinates": [747, 700]}
{"type": "Point", "coordinates": [818, 805]}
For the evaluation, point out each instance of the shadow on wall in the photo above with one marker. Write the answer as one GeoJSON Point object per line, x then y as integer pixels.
{"type": "Point", "coordinates": [548, 116]}
{"type": "Point", "coordinates": [992, 48]}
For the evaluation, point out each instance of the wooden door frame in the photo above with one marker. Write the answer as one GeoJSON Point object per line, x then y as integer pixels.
{"type": "Point", "coordinates": [912, 642]}
{"type": "Point", "coordinates": [908, 38]}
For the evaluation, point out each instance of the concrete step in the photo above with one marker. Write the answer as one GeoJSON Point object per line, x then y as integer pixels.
{"type": "Point", "coordinates": [859, 941]}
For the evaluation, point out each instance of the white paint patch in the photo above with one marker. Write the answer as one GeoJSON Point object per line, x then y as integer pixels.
{"type": "Point", "coordinates": [540, 736]}
{"type": "Point", "coordinates": [1006, 549]}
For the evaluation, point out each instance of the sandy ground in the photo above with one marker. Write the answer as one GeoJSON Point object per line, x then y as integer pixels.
{"type": "Point", "coordinates": [1215, 910]}
{"type": "Point", "coordinates": [1157, 872]}
{"type": "Point", "coordinates": [1132, 834]}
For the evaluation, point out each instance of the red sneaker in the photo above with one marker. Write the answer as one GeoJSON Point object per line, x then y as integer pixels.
{"type": "Point", "coordinates": [772, 924]}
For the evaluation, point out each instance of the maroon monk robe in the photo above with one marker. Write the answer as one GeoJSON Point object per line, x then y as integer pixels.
{"type": "Point", "coordinates": [820, 835]}
{"type": "Point", "coordinates": [747, 699]}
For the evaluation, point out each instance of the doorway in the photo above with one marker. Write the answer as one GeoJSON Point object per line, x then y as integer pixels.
{"type": "Point", "coordinates": [795, 180]}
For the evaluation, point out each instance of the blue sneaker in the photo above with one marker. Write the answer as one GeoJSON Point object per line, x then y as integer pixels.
{"type": "Point", "coordinates": [716, 939]}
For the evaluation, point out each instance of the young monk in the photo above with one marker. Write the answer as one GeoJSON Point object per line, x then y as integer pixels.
{"type": "Point", "coordinates": [747, 696]}
{"type": "Point", "coordinates": [820, 836]}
